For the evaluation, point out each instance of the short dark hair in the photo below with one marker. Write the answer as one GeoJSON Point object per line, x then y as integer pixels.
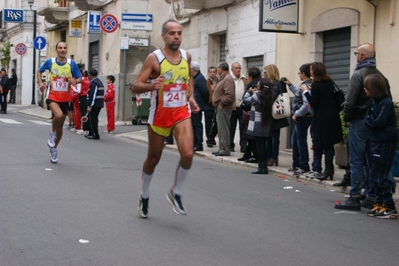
{"type": "Point", "coordinates": [56, 46]}
{"type": "Point", "coordinates": [111, 78]}
{"type": "Point", "coordinates": [224, 65]}
{"type": "Point", "coordinates": [165, 24]}
{"type": "Point", "coordinates": [376, 85]}
{"type": "Point", "coordinates": [254, 72]}
{"type": "Point", "coordinates": [305, 68]}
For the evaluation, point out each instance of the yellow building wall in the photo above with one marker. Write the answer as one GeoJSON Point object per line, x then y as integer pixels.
{"type": "Point", "coordinates": [293, 50]}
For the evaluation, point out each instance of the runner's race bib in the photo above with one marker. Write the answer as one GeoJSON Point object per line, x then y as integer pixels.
{"type": "Point", "coordinates": [174, 95]}
{"type": "Point", "coordinates": [60, 84]}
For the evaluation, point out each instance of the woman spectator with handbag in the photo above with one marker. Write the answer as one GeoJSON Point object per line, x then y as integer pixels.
{"type": "Point", "coordinates": [327, 123]}
{"type": "Point", "coordinates": [273, 142]}
{"type": "Point", "coordinates": [260, 119]}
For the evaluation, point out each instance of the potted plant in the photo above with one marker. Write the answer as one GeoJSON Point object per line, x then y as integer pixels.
{"type": "Point", "coordinates": [340, 149]}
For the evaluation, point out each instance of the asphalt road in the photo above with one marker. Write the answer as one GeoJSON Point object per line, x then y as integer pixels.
{"type": "Point", "coordinates": [234, 218]}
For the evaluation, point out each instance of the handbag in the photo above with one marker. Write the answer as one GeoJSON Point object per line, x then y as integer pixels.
{"type": "Point", "coordinates": [281, 107]}
{"type": "Point", "coordinates": [339, 97]}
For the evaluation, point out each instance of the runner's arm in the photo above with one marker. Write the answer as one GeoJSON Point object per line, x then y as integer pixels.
{"type": "Point", "coordinates": [150, 69]}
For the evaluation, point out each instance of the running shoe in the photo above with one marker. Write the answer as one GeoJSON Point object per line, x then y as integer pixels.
{"type": "Point", "coordinates": [80, 132]}
{"type": "Point", "coordinates": [300, 172]}
{"type": "Point", "coordinates": [308, 174]}
{"type": "Point", "coordinates": [142, 208]}
{"type": "Point", "coordinates": [314, 175]}
{"type": "Point", "coordinates": [51, 140]}
{"type": "Point", "coordinates": [376, 208]}
{"type": "Point", "coordinates": [54, 155]}
{"type": "Point", "coordinates": [175, 200]}
{"type": "Point", "coordinates": [386, 213]}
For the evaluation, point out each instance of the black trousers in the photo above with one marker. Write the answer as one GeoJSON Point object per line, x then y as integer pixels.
{"type": "Point", "coordinates": [83, 111]}
{"type": "Point", "coordinates": [93, 121]}
{"type": "Point", "coordinates": [198, 128]}
{"type": "Point", "coordinates": [12, 93]}
{"type": "Point", "coordinates": [236, 116]}
{"type": "Point", "coordinates": [3, 100]}
{"type": "Point", "coordinates": [210, 131]}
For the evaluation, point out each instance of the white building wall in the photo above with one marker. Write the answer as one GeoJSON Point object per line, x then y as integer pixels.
{"type": "Point", "coordinates": [240, 23]}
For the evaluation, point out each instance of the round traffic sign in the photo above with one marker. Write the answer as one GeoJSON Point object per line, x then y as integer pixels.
{"type": "Point", "coordinates": [20, 48]}
{"type": "Point", "coordinates": [39, 43]}
{"type": "Point", "coordinates": [108, 23]}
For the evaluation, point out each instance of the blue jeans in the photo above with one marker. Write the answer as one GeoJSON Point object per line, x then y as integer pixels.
{"type": "Point", "coordinates": [381, 157]}
{"type": "Point", "coordinates": [299, 141]}
{"type": "Point", "coordinates": [273, 144]}
{"type": "Point", "coordinates": [357, 137]}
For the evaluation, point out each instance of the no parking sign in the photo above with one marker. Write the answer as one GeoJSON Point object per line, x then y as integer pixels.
{"type": "Point", "coordinates": [20, 48]}
{"type": "Point", "coordinates": [108, 23]}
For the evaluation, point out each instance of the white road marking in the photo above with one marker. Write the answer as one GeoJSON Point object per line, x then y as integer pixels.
{"type": "Point", "coordinates": [39, 122]}
{"type": "Point", "coordinates": [9, 121]}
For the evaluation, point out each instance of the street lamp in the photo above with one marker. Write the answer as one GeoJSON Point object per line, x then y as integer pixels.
{"type": "Point", "coordinates": [31, 3]}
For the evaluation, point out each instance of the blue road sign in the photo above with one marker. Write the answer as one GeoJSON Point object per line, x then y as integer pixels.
{"type": "Point", "coordinates": [39, 43]}
{"type": "Point", "coordinates": [93, 25]}
{"type": "Point", "coordinates": [131, 17]}
{"type": "Point", "coordinates": [13, 15]}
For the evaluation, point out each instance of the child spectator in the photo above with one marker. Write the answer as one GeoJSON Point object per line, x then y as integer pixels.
{"type": "Point", "coordinates": [380, 148]}
{"type": "Point", "coordinates": [109, 99]}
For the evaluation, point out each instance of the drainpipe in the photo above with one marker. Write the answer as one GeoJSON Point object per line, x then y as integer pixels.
{"type": "Point", "coordinates": [375, 18]}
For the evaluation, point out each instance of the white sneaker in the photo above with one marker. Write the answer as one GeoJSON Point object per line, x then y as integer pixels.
{"type": "Point", "coordinates": [73, 129]}
{"type": "Point", "coordinates": [79, 132]}
{"type": "Point", "coordinates": [308, 174]}
{"type": "Point", "coordinates": [51, 139]}
{"type": "Point", "coordinates": [54, 155]}
{"type": "Point", "coordinates": [314, 175]}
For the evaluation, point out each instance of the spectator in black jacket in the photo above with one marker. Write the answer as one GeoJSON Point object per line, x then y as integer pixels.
{"type": "Point", "coordinates": [201, 96]}
{"type": "Point", "coordinates": [94, 103]}
{"type": "Point", "coordinates": [4, 88]}
{"type": "Point", "coordinates": [13, 85]}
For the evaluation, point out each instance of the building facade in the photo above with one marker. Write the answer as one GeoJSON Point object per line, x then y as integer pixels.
{"type": "Point", "coordinates": [213, 31]}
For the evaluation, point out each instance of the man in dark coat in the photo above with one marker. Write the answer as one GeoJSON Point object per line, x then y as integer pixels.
{"type": "Point", "coordinates": [4, 88]}
{"type": "Point", "coordinates": [94, 103]}
{"type": "Point", "coordinates": [201, 96]}
{"type": "Point", "coordinates": [355, 108]}
{"type": "Point", "coordinates": [13, 85]}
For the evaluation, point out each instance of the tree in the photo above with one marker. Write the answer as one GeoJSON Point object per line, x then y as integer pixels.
{"type": "Point", "coordinates": [5, 56]}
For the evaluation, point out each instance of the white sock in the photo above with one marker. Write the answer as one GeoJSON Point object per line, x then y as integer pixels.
{"type": "Point", "coordinates": [181, 174]}
{"type": "Point", "coordinates": [146, 178]}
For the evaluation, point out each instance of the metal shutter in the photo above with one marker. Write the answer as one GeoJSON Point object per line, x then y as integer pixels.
{"type": "Point", "coordinates": [336, 55]}
{"type": "Point", "coordinates": [94, 61]}
{"type": "Point", "coordinates": [222, 48]}
{"type": "Point", "coordinates": [255, 61]}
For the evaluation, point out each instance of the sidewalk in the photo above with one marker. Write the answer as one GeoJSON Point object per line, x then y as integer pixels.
{"type": "Point", "coordinates": [285, 156]}
{"type": "Point", "coordinates": [285, 160]}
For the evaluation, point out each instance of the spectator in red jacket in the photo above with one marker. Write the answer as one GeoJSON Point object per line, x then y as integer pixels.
{"type": "Point", "coordinates": [109, 99]}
